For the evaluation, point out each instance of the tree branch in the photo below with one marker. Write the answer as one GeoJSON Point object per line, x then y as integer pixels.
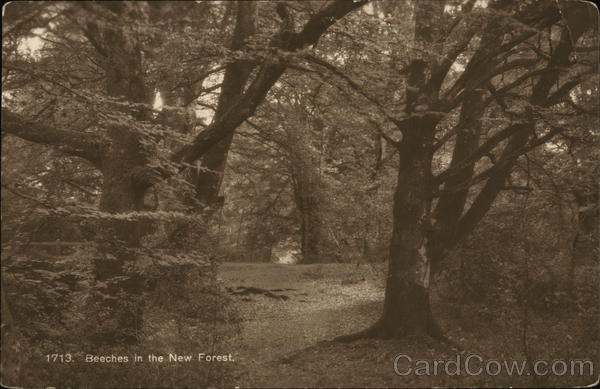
{"type": "Point", "coordinates": [481, 151]}
{"type": "Point", "coordinates": [357, 88]}
{"type": "Point", "coordinates": [72, 142]}
{"type": "Point", "coordinates": [268, 73]}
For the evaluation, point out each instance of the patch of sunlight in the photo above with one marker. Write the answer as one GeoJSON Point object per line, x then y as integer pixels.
{"type": "Point", "coordinates": [32, 45]}
{"type": "Point", "coordinates": [574, 96]}
{"type": "Point", "coordinates": [158, 102]}
{"type": "Point", "coordinates": [289, 257]}
{"type": "Point", "coordinates": [286, 252]}
{"type": "Point", "coordinates": [458, 67]}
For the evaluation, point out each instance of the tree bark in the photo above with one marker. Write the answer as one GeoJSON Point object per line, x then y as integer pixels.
{"type": "Point", "coordinates": [122, 191]}
{"type": "Point", "coordinates": [208, 180]}
{"type": "Point", "coordinates": [406, 307]}
{"type": "Point", "coordinates": [120, 194]}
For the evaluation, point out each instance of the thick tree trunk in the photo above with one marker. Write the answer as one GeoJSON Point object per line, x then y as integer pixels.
{"type": "Point", "coordinates": [119, 303]}
{"type": "Point", "coordinates": [209, 179]}
{"type": "Point", "coordinates": [418, 240]}
{"type": "Point", "coordinates": [406, 308]}
{"type": "Point", "coordinates": [119, 238]}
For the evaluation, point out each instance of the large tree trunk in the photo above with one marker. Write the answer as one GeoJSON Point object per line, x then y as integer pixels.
{"type": "Point", "coordinates": [119, 238]}
{"type": "Point", "coordinates": [406, 308]}
{"type": "Point", "coordinates": [209, 177]}
{"type": "Point", "coordinates": [122, 161]}
{"type": "Point", "coordinates": [416, 243]}
{"type": "Point", "coordinates": [208, 180]}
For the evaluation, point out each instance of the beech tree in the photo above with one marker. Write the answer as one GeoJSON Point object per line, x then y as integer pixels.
{"type": "Point", "coordinates": [120, 141]}
{"type": "Point", "coordinates": [514, 61]}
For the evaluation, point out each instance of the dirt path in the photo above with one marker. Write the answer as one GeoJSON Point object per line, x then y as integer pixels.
{"type": "Point", "coordinates": [283, 343]}
{"type": "Point", "coordinates": [322, 302]}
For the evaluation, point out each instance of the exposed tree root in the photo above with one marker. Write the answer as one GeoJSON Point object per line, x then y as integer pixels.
{"type": "Point", "coordinates": [378, 331]}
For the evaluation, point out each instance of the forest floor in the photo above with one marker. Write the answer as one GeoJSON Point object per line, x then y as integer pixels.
{"type": "Point", "coordinates": [286, 341]}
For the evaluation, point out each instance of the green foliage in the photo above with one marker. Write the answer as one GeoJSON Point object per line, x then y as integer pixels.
{"type": "Point", "coordinates": [47, 291]}
{"type": "Point", "coordinates": [53, 300]}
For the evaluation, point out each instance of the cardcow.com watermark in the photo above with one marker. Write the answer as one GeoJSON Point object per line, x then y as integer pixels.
{"type": "Point", "coordinates": [476, 365]}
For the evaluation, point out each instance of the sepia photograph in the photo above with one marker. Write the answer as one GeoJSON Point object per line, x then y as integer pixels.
{"type": "Point", "coordinates": [300, 194]}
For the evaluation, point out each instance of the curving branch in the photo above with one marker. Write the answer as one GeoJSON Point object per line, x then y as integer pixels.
{"type": "Point", "coordinates": [267, 75]}
{"type": "Point", "coordinates": [70, 141]}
